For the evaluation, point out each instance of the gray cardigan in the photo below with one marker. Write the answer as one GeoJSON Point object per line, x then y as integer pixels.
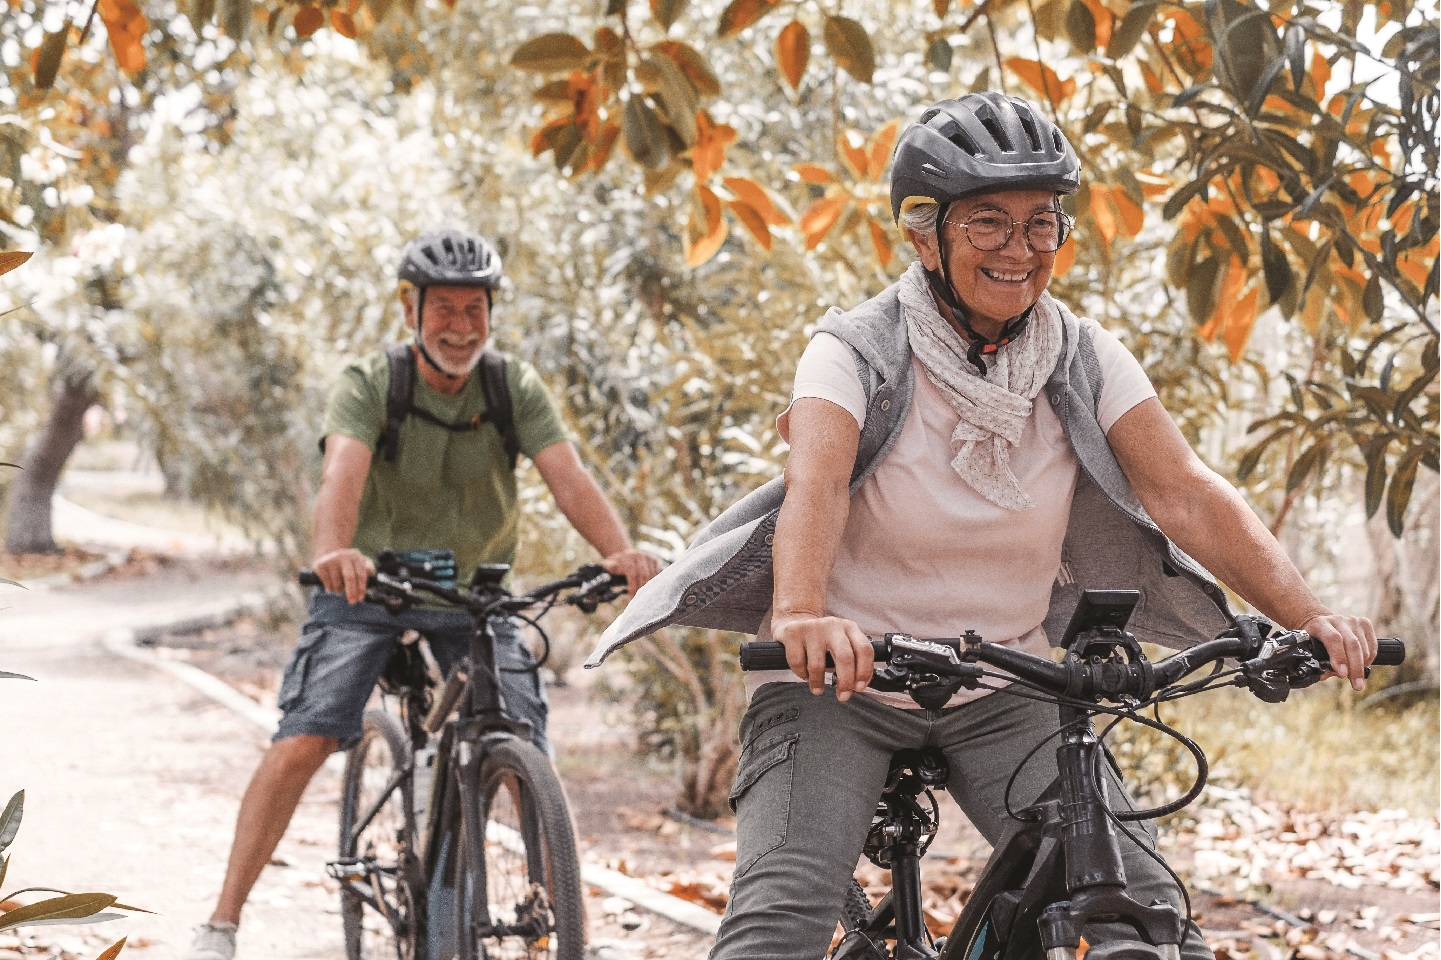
{"type": "Point", "coordinates": [723, 581]}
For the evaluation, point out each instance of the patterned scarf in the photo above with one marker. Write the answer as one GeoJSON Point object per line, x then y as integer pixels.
{"type": "Point", "coordinates": [993, 409]}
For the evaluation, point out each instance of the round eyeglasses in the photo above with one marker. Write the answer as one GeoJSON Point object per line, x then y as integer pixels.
{"type": "Point", "coordinates": [1043, 232]}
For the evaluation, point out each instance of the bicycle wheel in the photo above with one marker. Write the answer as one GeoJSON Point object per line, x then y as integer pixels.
{"type": "Point", "coordinates": [377, 866]}
{"type": "Point", "coordinates": [518, 891]}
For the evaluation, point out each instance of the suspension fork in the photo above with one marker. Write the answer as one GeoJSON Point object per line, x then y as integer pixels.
{"type": "Point", "coordinates": [1094, 872]}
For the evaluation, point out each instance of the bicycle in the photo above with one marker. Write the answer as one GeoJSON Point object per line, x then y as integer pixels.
{"type": "Point", "coordinates": [450, 799]}
{"type": "Point", "coordinates": [1058, 867]}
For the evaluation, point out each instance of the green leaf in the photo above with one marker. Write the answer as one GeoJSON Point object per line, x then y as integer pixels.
{"type": "Point", "coordinates": [237, 19]}
{"type": "Point", "coordinates": [201, 12]}
{"type": "Point", "coordinates": [939, 54]}
{"type": "Point", "coordinates": [1373, 301]}
{"type": "Point", "coordinates": [1201, 290]}
{"type": "Point", "coordinates": [551, 53]}
{"type": "Point", "coordinates": [1276, 267]}
{"type": "Point", "coordinates": [1398, 497]}
{"type": "Point", "coordinates": [1181, 197]}
{"type": "Point", "coordinates": [851, 46]}
{"type": "Point", "coordinates": [4, 869]}
{"type": "Point", "coordinates": [72, 906]}
{"type": "Point", "coordinates": [1081, 27]}
{"type": "Point", "coordinates": [644, 133]}
{"type": "Point", "coordinates": [1263, 86]}
{"type": "Point", "coordinates": [1422, 381]}
{"type": "Point", "coordinates": [1305, 463]}
{"type": "Point", "coordinates": [667, 12]}
{"type": "Point", "coordinates": [1375, 453]}
{"type": "Point", "coordinates": [10, 819]}
{"type": "Point", "coordinates": [614, 8]}
{"type": "Point", "coordinates": [676, 95]}
{"type": "Point", "coordinates": [52, 51]}
{"type": "Point", "coordinates": [5, 674]}
{"type": "Point", "coordinates": [1131, 28]}
{"type": "Point", "coordinates": [1245, 43]}
{"type": "Point", "coordinates": [1296, 54]}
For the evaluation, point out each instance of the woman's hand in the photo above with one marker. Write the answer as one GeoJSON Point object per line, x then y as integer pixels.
{"type": "Point", "coordinates": [808, 639]}
{"type": "Point", "coordinates": [1350, 643]}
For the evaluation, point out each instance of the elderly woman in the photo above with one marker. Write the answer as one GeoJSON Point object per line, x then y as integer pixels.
{"type": "Point", "coordinates": [965, 453]}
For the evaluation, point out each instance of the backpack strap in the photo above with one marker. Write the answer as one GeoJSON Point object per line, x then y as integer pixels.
{"type": "Point", "coordinates": [499, 409]}
{"type": "Point", "coordinates": [398, 398]}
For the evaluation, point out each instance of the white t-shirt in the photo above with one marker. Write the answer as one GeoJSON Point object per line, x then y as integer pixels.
{"type": "Point", "coordinates": [923, 553]}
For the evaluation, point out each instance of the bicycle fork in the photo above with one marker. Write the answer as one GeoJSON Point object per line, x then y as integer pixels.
{"type": "Point", "coordinates": [1094, 874]}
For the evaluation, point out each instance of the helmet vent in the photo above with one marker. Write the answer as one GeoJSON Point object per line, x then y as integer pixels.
{"type": "Point", "coordinates": [1029, 125]}
{"type": "Point", "coordinates": [999, 135]}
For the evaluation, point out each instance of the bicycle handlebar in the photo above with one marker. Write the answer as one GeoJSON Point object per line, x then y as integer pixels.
{"type": "Point", "coordinates": [1291, 659]}
{"type": "Point", "coordinates": [592, 583]}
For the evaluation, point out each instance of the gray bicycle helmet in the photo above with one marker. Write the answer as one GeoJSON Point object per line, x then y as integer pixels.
{"type": "Point", "coordinates": [976, 144]}
{"type": "Point", "coordinates": [452, 258]}
{"type": "Point", "coordinates": [980, 142]}
{"type": "Point", "coordinates": [448, 258]}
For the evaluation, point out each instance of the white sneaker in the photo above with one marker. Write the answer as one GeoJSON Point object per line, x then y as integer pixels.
{"type": "Point", "coordinates": [213, 941]}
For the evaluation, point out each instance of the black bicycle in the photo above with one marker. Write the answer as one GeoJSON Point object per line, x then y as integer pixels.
{"type": "Point", "coordinates": [455, 836]}
{"type": "Point", "coordinates": [1058, 867]}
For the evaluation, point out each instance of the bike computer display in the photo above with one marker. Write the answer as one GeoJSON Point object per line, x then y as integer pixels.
{"type": "Point", "coordinates": [1100, 608]}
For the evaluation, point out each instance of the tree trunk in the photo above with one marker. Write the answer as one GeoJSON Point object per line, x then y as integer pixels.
{"type": "Point", "coordinates": [28, 518]}
{"type": "Point", "coordinates": [1409, 593]}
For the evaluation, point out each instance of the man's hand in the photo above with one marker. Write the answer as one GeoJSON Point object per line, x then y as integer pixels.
{"type": "Point", "coordinates": [636, 566]}
{"type": "Point", "coordinates": [345, 571]}
{"type": "Point", "coordinates": [1350, 642]}
{"type": "Point", "coordinates": [808, 639]}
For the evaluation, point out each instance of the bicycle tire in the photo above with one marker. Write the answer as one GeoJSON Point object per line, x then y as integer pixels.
{"type": "Point", "coordinates": [856, 907]}
{"type": "Point", "coordinates": [386, 846]}
{"type": "Point", "coordinates": [518, 891]}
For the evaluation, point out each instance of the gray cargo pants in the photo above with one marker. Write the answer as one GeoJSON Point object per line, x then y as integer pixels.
{"type": "Point", "coordinates": [811, 771]}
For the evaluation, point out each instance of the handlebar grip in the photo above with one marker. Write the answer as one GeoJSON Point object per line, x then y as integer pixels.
{"type": "Point", "coordinates": [771, 655]}
{"type": "Point", "coordinates": [308, 578]}
{"type": "Point", "coordinates": [1390, 652]}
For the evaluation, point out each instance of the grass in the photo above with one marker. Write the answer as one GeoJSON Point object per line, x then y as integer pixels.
{"type": "Point", "coordinates": [1324, 749]}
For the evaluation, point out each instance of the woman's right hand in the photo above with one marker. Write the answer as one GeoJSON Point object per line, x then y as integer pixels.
{"type": "Point", "coordinates": [808, 639]}
{"type": "Point", "coordinates": [344, 571]}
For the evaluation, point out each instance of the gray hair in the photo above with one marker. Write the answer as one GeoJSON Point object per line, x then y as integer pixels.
{"type": "Point", "coordinates": [922, 218]}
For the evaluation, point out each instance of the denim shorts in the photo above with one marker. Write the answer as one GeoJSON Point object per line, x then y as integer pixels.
{"type": "Point", "coordinates": [343, 650]}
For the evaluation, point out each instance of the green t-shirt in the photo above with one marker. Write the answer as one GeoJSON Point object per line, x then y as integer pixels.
{"type": "Point", "coordinates": [447, 489]}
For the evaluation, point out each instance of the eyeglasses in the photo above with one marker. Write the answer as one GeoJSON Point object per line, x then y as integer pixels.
{"type": "Point", "coordinates": [1044, 232]}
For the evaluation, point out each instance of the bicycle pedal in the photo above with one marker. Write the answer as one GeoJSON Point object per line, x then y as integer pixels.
{"type": "Point", "coordinates": [347, 871]}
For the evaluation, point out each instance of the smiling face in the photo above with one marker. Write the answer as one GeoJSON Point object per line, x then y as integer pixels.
{"type": "Point", "coordinates": [456, 327]}
{"type": "Point", "coordinates": [996, 285]}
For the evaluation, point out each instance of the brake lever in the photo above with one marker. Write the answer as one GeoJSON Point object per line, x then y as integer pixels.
{"type": "Point", "coordinates": [1281, 668]}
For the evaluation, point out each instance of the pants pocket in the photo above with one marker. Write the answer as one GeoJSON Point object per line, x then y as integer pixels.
{"type": "Point", "coordinates": [761, 799]}
{"type": "Point", "coordinates": [292, 682]}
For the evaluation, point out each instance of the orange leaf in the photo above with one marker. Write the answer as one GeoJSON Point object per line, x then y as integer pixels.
{"type": "Point", "coordinates": [113, 951]}
{"type": "Point", "coordinates": [881, 143]}
{"type": "Point", "coordinates": [707, 240]}
{"type": "Point", "coordinates": [10, 259]}
{"type": "Point", "coordinates": [814, 173]}
{"type": "Point", "coordinates": [1320, 72]}
{"type": "Point", "coordinates": [1105, 217]}
{"type": "Point", "coordinates": [818, 218]}
{"type": "Point", "coordinates": [1132, 216]}
{"type": "Point", "coordinates": [1105, 22]}
{"type": "Point", "coordinates": [754, 196]}
{"type": "Point", "coordinates": [601, 149]}
{"type": "Point", "coordinates": [1239, 323]}
{"type": "Point", "coordinates": [793, 52]}
{"type": "Point", "coordinates": [753, 221]}
{"type": "Point", "coordinates": [343, 24]}
{"type": "Point", "coordinates": [308, 20]}
{"type": "Point", "coordinates": [1065, 258]}
{"type": "Point", "coordinates": [741, 14]}
{"type": "Point", "coordinates": [1153, 82]}
{"type": "Point", "coordinates": [884, 253]}
{"type": "Point", "coordinates": [1042, 79]}
{"type": "Point", "coordinates": [853, 157]}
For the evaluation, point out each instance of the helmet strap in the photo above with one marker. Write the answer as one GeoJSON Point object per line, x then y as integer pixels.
{"type": "Point", "coordinates": [940, 283]}
{"type": "Point", "coordinates": [420, 343]}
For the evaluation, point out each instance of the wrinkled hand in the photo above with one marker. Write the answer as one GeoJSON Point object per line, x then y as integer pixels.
{"type": "Point", "coordinates": [345, 571]}
{"type": "Point", "coordinates": [808, 639]}
{"type": "Point", "coordinates": [1350, 642]}
{"type": "Point", "coordinates": [636, 566]}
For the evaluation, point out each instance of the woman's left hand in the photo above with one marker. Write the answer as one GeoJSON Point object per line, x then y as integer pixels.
{"type": "Point", "coordinates": [636, 566]}
{"type": "Point", "coordinates": [1350, 642]}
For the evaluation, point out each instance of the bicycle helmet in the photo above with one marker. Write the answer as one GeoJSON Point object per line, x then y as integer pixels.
{"type": "Point", "coordinates": [978, 143]}
{"type": "Point", "coordinates": [448, 258]}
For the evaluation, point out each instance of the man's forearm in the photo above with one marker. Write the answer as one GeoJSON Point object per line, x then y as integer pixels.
{"type": "Point", "coordinates": [594, 518]}
{"type": "Point", "coordinates": [336, 519]}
